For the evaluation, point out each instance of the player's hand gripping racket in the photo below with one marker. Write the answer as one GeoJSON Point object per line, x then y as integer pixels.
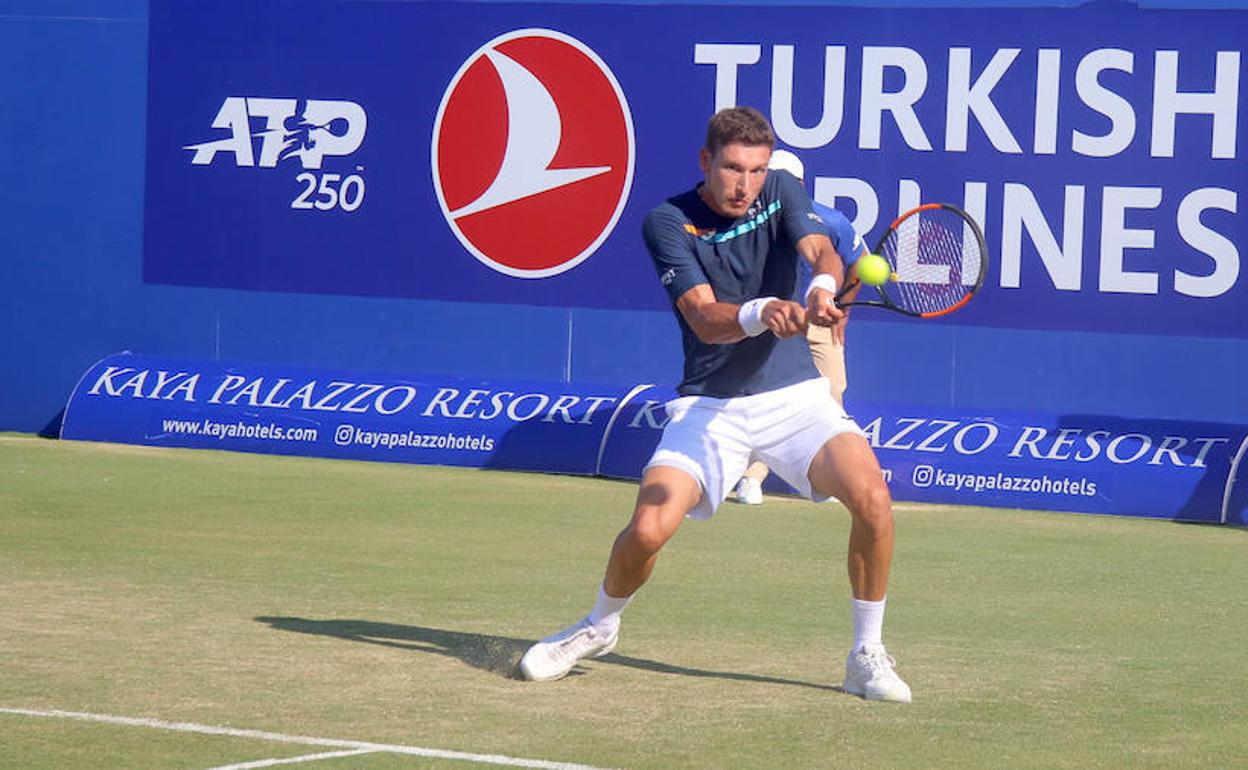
{"type": "Point", "coordinates": [937, 259]}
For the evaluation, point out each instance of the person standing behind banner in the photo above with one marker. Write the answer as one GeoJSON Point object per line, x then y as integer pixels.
{"type": "Point", "coordinates": [827, 346]}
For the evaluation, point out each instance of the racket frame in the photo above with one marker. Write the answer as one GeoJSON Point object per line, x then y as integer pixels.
{"type": "Point", "coordinates": [886, 302]}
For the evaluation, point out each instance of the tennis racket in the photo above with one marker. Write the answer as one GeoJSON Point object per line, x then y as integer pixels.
{"type": "Point", "coordinates": [938, 260]}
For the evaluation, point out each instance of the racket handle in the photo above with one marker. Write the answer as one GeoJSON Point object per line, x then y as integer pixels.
{"type": "Point", "coordinates": [849, 286]}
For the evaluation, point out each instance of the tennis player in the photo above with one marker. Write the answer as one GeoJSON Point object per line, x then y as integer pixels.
{"type": "Point", "coordinates": [727, 254]}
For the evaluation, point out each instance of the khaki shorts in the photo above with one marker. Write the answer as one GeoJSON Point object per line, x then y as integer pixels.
{"type": "Point", "coordinates": [714, 439]}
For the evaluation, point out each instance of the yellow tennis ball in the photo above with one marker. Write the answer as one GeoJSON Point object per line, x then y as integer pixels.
{"type": "Point", "coordinates": [873, 269]}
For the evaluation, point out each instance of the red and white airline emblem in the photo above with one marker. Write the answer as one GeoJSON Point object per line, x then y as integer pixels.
{"type": "Point", "coordinates": [533, 153]}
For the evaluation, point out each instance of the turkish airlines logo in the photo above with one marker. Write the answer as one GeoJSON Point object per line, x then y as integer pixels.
{"type": "Point", "coordinates": [533, 153]}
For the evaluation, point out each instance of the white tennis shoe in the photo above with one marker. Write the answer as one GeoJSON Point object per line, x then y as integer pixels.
{"type": "Point", "coordinates": [553, 657]}
{"type": "Point", "coordinates": [749, 491]}
{"type": "Point", "coordinates": [869, 673]}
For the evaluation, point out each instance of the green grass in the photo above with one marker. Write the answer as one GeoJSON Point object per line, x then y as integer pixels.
{"type": "Point", "coordinates": [390, 603]}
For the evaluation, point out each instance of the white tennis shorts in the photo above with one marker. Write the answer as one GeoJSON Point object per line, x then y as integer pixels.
{"type": "Point", "coordinates": [715, 439]}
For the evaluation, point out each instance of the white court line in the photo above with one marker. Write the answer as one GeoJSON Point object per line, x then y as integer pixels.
{"type": "Point", "coordinates": [191, 727]}
{"type": "Point", "coordinates": [295, 760]}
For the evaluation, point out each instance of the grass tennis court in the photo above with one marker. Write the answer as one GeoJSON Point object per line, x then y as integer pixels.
{"type": "Point", "coordinates": [375, 604]}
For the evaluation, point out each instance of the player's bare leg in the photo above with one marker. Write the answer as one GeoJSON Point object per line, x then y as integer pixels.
{"type": "Point", "coordinates": [846, 468]}
{"type": "Point", "coordinates": [665, 496]}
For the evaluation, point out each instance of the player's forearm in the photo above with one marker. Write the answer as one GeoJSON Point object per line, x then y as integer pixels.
{"type": "Point", "coordinates": [782, 318]}
{"type": "Point", "coordinates": [822, 256]}
{"type": "Point", "coordinates": [829, 263]}
{"type": "Point", "coordinates": [716, 323]}
{"type": "Point", "coordinates": [722, 323]}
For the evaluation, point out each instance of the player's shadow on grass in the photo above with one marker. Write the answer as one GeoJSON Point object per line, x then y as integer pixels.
{"type": "Point", "coordinates": [497, 654]}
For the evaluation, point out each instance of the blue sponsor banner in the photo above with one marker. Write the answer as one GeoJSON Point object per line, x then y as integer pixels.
{"type": "Point", "coordinates": [350, 415]}
{"type": "Point", "coordinates": [1081, 463]}
{"type": "Point", "coordinates": [1235, 497]}
{"type": "Point", "coordinates": [431, 150]}
{"type": "Point", "coordinates": [635, 432]}
{"type": "Point", "coordinates": [1084, 463]}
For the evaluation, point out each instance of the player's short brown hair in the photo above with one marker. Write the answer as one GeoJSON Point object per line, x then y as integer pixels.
{"type": "Point", "coordinates": [738, 124]}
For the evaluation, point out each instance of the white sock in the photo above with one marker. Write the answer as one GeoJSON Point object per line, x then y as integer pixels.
{"type": "Point", "coordinates": [868, 622]}
{"type": "Point", "coordinates": [606, 613]}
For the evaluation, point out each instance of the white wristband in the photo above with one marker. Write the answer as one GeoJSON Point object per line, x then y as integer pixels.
{"type": "Point", "coordinates": [823, 281]}
{"type": "Point", "coordinates": [750, 316]}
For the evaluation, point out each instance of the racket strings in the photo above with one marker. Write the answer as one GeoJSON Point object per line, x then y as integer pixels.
{"type": "Point", "coordinates": [928, 252]}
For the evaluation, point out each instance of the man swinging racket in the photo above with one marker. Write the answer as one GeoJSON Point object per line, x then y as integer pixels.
{"type": "Point", "coordinates": [727, 253]}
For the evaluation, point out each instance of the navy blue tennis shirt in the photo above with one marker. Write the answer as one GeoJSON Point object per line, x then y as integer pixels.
{"type": "Point", "coordinates": [742, 259]}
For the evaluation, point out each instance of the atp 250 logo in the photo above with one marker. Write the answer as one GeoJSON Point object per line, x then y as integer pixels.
{"type": "Point", "coordinates": [307, 130]}
{"type": "Point", "coordinates": [532, 153]}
